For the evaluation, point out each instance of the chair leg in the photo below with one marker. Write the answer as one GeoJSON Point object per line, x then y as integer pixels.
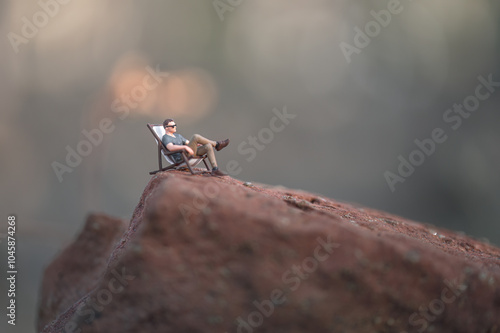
{"type": "Point", "coordinates": [205, 162]}
{"type": "Point", "coordinates": [186, 161]}
{"type": "Point", "coordinates": [174, 166]}
{"type": "Point", "coordinates": [160, 166]}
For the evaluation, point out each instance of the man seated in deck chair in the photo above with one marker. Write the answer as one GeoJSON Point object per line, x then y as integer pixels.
{"type": "Point", "coordinates": [176, 142]}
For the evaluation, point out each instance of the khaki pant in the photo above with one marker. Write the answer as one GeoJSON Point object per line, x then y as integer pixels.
{"type": "Point", "coordinates": [206, 147]}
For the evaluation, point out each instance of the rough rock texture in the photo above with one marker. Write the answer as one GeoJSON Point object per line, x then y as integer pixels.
{"type": "Point", "coordinates": [204, 254]}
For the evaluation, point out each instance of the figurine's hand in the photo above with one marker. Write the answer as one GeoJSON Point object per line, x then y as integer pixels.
{"type": "Point", "coordinates": [188, 150]}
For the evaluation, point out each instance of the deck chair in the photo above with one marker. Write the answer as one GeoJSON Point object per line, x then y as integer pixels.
{"type": "Point", "coordinates": [158, 132]}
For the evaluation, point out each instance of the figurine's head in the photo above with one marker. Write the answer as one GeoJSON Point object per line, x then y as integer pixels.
{"type": "Point", "coordinates": [170, 126]}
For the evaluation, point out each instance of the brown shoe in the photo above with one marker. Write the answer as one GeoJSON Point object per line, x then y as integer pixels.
{"type": "Point", "coordinates": [221, 144]}
{"type": "Point", "coordinates": [216, 172]}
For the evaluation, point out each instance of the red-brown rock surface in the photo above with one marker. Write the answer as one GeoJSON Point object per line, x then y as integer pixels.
{"type": "Point", "coordinates": [204, 254]}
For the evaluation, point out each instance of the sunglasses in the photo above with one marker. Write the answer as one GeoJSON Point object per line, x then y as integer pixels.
{"type": "Point", "coordinates": [171, 126]}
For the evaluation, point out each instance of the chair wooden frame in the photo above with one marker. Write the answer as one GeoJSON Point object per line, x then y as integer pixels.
{"type": "Point", "coordinates": [189, 162]}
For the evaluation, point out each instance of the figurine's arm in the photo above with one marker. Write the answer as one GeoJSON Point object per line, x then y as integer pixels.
{"type": "Point", "coordinates": [172, 147]}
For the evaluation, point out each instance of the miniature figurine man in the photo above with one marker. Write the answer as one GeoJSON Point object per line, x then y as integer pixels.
{"type": "Point", "coordinates": [197, 146]}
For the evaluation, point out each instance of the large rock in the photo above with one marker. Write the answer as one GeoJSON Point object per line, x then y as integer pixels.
{"type": "Point", "coordinates": [204, 254]}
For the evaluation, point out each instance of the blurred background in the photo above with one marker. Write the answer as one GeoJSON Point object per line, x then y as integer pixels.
{"type": "Point", "coordinates": [220, 68]}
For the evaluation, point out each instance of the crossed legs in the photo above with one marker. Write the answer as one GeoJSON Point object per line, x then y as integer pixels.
{"type": "Point", "coordinates": [207, 147]}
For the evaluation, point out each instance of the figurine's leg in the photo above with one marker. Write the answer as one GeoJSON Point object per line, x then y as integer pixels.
{"type": "Point", "coordinates": [209, 150]}
{"type": "Point", "coordinates": [198, 139]}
